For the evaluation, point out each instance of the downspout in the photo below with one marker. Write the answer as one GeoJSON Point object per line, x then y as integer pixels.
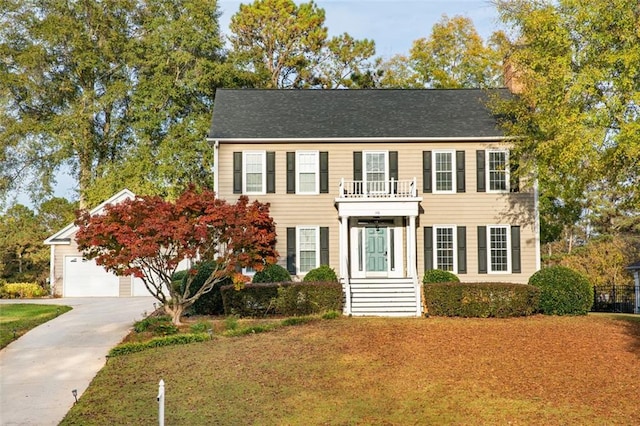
{"type": "Point", "coordinates": [216, 155]}
{"type": "Point", "coordinates": [52, 274]}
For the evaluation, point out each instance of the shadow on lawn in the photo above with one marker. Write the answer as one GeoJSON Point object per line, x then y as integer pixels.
{"type": "Point", "coordinates": [632, 328]}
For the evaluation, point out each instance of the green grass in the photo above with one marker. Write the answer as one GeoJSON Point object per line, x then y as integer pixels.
{"type": "Point", "coordinates": [382, 371]}
{"type": "Point", "coordinates": [16, 319]}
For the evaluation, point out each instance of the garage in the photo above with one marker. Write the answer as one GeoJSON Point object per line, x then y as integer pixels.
{"type": "Point", "coordinates": [83, 278]}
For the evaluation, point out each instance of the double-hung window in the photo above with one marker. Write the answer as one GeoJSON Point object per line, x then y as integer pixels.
{"type": "Point", "coordinates": [307, 172]}
{"type": "Point", "coordinates": [308, 248]}
{"type": "Point", "coordinates": [444, 171]}
{"type": "Point", "coordinates": [499, 249]}
{"type": "Point", "coordinates": [498, 170]}
{"type": "Point", "coordinates": [375, 172]}
{"type": "Point", "coordinates": [254, 171]}
{"type": "Point", "coordinates": [445, 248]}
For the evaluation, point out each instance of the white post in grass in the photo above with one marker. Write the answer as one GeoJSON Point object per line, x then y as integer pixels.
{"type": "Point", "coordinates": [161, 403]}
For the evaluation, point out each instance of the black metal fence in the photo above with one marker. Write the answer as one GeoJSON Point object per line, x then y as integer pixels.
{"type": "Point", "coordinates": [614, 298]}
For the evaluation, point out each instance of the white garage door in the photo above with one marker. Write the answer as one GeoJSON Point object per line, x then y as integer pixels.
{"type": "Point", "coordinates": [83, 278]}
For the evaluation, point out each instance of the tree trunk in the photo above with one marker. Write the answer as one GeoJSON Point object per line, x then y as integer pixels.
{"type": "Point", "coordinates": [175, 310]}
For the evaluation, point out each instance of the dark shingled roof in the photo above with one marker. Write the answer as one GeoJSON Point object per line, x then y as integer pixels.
{"type": "Point", "coordinates": [385, 113]}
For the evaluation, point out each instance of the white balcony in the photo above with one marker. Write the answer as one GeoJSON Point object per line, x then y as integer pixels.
{"type": "Point", "coordinates": [389, 189]}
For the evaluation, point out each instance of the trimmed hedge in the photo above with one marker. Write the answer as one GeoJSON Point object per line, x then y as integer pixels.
{"type": "Point", "coordinates": [309, 298]}
{"type": "Point", "coordinates": [439, 276]}
{"type": "Point", "coordinates": [482, 300]}
{"type": "Point", "coordinates": [272, 274]}
{"type": "Point", "coordinates": [323, 273]}
{"type": "Point", "coordinates": [286, 298]}
{"type": "Point", "coordinates": [563, 291]}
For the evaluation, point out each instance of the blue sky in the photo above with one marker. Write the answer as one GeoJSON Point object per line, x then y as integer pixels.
{"type": "Point", "coordinates": [392, 24]}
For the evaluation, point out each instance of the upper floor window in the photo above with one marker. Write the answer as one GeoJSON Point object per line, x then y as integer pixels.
{"type": "Point", "coordinates": [254, 172]}
{"type": "Point", "coordinates": [307, 168]}
{"type": "Point", "coordinates": [375, 171]}
{"type": "Point", "coordinates": [443, 171]}
{"type": "Point", "coordinates": [498, 170]}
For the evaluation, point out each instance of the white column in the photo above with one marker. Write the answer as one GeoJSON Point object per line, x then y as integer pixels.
{"type": "Point", "coordinates": [636, 275]}
{"type": "Point", "coordinates": [411, 262]}
{"type": "Point", "coordinates": [52, 272]}
{"type": "Point", "coordinates": [344, 262]}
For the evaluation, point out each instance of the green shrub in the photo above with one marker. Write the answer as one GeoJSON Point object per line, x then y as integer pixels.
{"type": "Point", "coordinates": [200, 327]}
{"type": "Point", "coordinates": [252, 300]}
{"type": "Point", "coordinates": [253, 329]}
{"type": "Point", "coordinates": [272, 274]}
{"type": "Point", "coordinates": [563, 291]}
{"type": "Point", "coordinates": [176, 339]}
{"type": "Point", "coordinates": [481, 300]}
{"type": "Point", "coordinates": [160, 325]}
{"type": "Point", "coordinates": [177, 277]}
{"type": "Point", "coordinates": [329, 315]}
{"type": "Point", "coordinates": [439, 276]}
{"type": "Point", "coordinates": [255, 300]}
{"type": "Point", "coordinates": [22, 291]}
{"type": "Point", "coordinates": [209, 303]}
{"type": "Point", "coordinates": [323, 273]}
{"type": "Point", "coordinates": [308, 298]}
{"type": "Point", "coordinates": [297, 321]}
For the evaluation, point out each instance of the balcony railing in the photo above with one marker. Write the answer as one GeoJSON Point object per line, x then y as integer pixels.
{"type": "Point", "coordinates": [378, 189]}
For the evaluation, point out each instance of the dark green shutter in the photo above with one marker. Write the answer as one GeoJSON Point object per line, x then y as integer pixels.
{"type": "Point", "coordinates": [393, 165]}
{"type": "Point", "coordinates": [480, 167]}
{"type": "Point", "coordinates": [428, 248]}
{"type": "Point", "coordinates": [514, 176]}
{"type": "Point", "coordinates": [271, 172]}
{"type": "Point", "coordinates": [324, 245]}
{"type": "Point", "coordinates": [516, 266]}
{"type": "Point", "coordinates": [324, 172]}
{"type": "Point", "coordinates": [237, 173]}
{"type": "Point", "coordinates": [460, 172]}
{"type": "Point", "coordinates": [426, 171]}
{"type": "Point", "coordinates": [357, 166]}
{"type": "Point", "coordinates": [462, 249]}
{"type": "Point", "coordinates": [482, 249]}
{"type": "Point", "coordinates": [291, 250]}
{"type": "Point", "coordinates": [291, 172]}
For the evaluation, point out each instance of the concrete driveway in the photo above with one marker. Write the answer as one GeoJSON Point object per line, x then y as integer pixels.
{"type": "Point", "coordinates": [40, 369]}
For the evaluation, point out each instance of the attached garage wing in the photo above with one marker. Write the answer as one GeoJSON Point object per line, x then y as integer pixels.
{"type": "Point", "coordinates": [83, 278]}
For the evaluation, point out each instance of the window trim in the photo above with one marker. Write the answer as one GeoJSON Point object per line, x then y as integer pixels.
{"type": "Point", "coordinates": [316, 172]}
{"type": "Point", "coordinates": [452, 171]}
{"type": "Point", "coordinates": [316, 229]}
{"type": "Point", "coordinates": [263, 156]}
{"type": "Point", "coordinates": [365, 181]}
{"type": "Point", "coordinates": [507, 175]}
{"type": "Point", "coordinates": [490, 269]}
{"type": "Point", "coordinates": [454, 248]}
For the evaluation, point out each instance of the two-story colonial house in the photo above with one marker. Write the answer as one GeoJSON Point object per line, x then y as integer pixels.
{"type": "Point", "coordinates": [381, 185]}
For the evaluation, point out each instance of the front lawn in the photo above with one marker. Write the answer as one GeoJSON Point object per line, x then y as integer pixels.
{"type": "Point", "coordinates": [535, 370]}
{"type": "Point", "coordinates": [18, 318]}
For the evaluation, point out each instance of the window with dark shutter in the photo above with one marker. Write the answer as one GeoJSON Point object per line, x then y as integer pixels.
{"type": "Point", "coordinates": [324, 172]}
{"type": "Point", "coordinates": [426, 171]}
{"type": "Point", "coordinates": [516, 266]}
{"type": "Point", "coordinates": [460, 172]}
{"type": "Point", "coordinates": [291, 250]}
{"type": "Point", "coordinates": [462, 249]}
{"type": "Point", "coordinates": [514, 176]}
{"type": "Point", "coordinates": [480, 169]}
{"type": "Point", "coordinates": [482, 249]}
{"type": "Point", "coordinates": [428, 247]}
{"type": "Point", "coordinates": [237, 172]}
{"type": "Point", "coordinates": [271, 172]}
{"type": "Point", "coordinates": [291, 172]}
{"type": "Point", "coordinates": [324, 245]}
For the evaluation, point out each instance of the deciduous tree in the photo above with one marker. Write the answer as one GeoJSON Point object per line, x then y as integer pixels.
{"type": "Point", "coordinates": [578, 112]}
{"type": "Point", "coordinates": [149, 236]}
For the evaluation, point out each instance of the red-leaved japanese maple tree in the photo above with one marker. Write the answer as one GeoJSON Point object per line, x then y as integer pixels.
{"type": "Point", "coordinates": [149, 236]}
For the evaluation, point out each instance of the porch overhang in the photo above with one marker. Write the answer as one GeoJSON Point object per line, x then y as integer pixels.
{"type": "Point", "coordinates": [380, 207]}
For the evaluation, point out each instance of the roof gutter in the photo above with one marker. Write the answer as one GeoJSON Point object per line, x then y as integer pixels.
{"type": "Point", "coordinates": [365, 139]}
